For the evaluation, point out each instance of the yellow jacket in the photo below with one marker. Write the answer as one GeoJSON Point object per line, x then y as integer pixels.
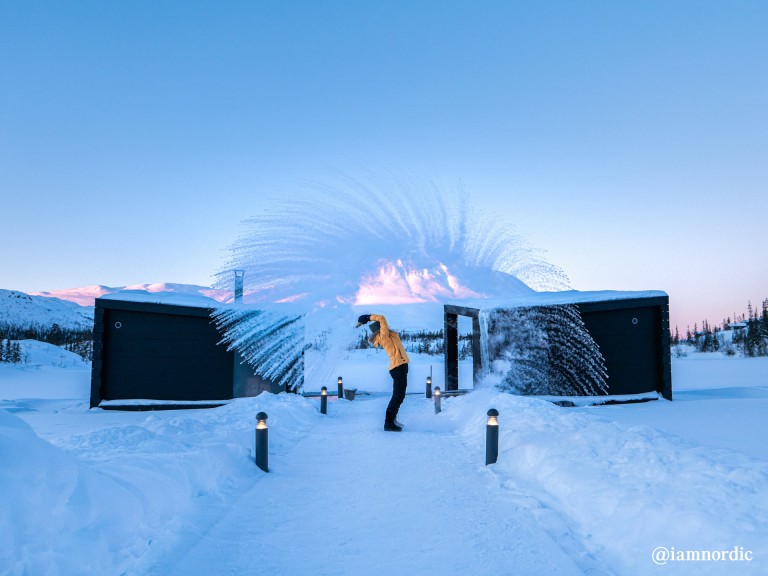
{"type": "Point", "coordinates": [390, 341]}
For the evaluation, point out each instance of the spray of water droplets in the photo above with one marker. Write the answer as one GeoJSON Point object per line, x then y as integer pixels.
{"type": "Point", "coordinates": [306, 253]}
{"type": "Point", "coordinates": [545, 351]}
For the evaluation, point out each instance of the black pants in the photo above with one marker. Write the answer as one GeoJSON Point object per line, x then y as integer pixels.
{"type": "Point", "coordinates": [399, 384]}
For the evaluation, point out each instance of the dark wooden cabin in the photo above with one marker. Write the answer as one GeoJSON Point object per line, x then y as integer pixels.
{"type": "Point", "coordinates": [163, 351]}
{"type": "Point", "coordinates": [631, 330]}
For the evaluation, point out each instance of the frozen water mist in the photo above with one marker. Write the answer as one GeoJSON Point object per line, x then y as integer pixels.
{"type": "Point", "coordinates": [544, 350]}
{"type": "Point", "coordinates": [273, 343]}
{"type": "Point", "coordinates": [382, 240]}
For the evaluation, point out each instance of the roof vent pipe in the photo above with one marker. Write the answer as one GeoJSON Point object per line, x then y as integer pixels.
{"type": "Point", "coordinates": [239, 286]}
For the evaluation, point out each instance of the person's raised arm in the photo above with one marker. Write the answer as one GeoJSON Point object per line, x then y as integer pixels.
{"type": "Point", "coordinates": [383, 321]}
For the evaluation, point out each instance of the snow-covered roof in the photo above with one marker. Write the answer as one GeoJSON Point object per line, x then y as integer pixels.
{"type": "Point", "coordinates": [409, 316]}
{"type": "Point", "coordinates": [557, 298]}
{"type": "Point", "coordinates": [167, 298]}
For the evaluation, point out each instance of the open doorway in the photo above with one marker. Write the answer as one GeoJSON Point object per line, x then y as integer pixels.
{"type": "Point", "coordinates": [462, 326]}
{"type": "Point", "coordinates": [466, 375]}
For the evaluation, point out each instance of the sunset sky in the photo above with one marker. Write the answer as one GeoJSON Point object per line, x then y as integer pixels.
{"type": "Point", "coordinates": [628, 140]}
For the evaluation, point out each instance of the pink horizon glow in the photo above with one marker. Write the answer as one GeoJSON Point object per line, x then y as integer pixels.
{"type": "Point", "coordinates": [398, 284]}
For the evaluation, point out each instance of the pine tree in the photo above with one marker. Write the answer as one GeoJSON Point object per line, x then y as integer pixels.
{"type": "Point", "coordinates": [705, 343]}
{"type": "Point", "coordinates": [56, 335]}
{"type": "Point", "coordinates": [761, 329]}
{"type": "Point", "coordinates": [765, 317]}
{"type": "Point", "coordinates": [16, 353]}
{"type": "Point", "coordinates": [752, 340]}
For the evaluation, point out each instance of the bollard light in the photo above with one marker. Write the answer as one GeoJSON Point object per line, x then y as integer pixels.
{"type": "Point", "coordinates": [438, 398]}
{"type": "Point", "coordinates": [324, 400]}
{"type": "Point", "coordinates": [492, 437]}
{"type": "Point", "coordinates": [429, 386]}
{"type": "Point", "coordinates": [262, 442]}
{"type": "Point", "coordinates": [341, 388]}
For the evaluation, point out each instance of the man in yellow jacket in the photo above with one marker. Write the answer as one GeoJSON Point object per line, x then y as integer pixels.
{"type": "Point", "coordinates": [383, 337]}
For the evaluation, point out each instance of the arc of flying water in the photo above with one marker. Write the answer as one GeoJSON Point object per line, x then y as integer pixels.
{"type": "Point", "coordinates": [304, 257]}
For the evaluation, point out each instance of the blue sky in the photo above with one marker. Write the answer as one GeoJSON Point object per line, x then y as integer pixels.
{"type": "Point", "coordinates": [626, 139]}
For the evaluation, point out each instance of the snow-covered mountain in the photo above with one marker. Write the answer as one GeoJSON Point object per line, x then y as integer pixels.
{"type": "Point", "coordinates": [24, 310]}
{"type": "Point", "coordinates": [73, 308]}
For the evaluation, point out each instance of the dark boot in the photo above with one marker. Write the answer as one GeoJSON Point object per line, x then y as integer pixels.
{"type": "Point", "coordinates": [392, 427]}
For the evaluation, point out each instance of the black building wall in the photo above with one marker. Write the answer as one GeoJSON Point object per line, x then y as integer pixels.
{"type": "Point", "coordinates": [158, 352]}
{"type": "Point", "coordinates": [632, 334]}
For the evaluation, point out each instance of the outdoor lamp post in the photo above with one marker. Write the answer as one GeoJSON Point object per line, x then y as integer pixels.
{"type": "Point", "coordinates": [341, 388]}
{"type": "Point", "coordinates": [262, 442]}
{"type": "Point", "coordinates": [492, 437]}
{"type": "Point", "coordinates": [438, 396]}
{"type": "Point", "coordinates": [429, 386]}
{"type": "Point", "coordinates": [324, 400]}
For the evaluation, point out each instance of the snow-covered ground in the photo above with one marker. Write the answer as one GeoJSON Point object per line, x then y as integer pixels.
{"type": "Point", "coordinates": [590, 490]}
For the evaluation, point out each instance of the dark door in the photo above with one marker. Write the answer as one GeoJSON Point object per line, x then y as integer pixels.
{"type": "Point", "coordinates": [629, 340]}
{"type": "Point", "coordinates": [164, 357]}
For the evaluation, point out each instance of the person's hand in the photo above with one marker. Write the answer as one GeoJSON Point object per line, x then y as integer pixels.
{"type": "Point", "coordinates": [364, 319]}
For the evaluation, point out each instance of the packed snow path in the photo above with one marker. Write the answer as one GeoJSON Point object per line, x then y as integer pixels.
{"type": "Point", "coordinates": [350, 498]}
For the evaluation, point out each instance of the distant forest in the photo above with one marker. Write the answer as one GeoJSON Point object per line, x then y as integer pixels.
{"type": "Point", "coordinates": [79, 341]}
{"type": "Point", "coordinates": [424, 342]}
{"type": "Point", "coordinates": [746, 334]}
